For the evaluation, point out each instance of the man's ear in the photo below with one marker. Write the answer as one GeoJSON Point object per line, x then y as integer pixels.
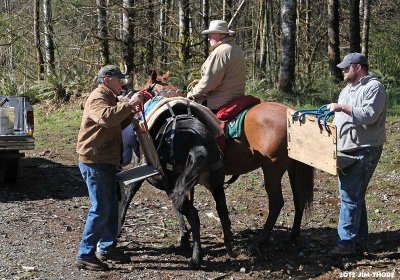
{"type": "Point", "coordinates": [106, 80]}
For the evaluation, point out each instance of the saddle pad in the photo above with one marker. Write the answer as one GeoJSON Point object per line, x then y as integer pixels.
{"type": "Point", "coordinates": [201, 112]}
{"type": "Point", "coordinates": [234, 128]}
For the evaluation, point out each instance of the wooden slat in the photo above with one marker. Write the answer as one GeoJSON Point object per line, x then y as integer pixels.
{"type": "Point", "coordinates": [309, 144]}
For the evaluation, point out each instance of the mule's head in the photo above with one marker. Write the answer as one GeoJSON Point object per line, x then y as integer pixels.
{"type": "Point", "coordinates": [158, 86]}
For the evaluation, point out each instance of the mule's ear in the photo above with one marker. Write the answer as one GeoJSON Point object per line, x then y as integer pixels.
{"type": "Point", "coordinates": [153, 76]}
{"type": "Point", "coordinates": [165, 77]}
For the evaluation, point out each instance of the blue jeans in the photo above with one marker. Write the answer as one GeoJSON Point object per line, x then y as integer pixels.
{"type": "Point", "coordinates": [353, 182]}
{"type": "Point", "coordinates": [101, 226]}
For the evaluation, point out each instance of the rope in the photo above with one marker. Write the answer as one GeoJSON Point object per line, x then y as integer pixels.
{"type": "Point", "coordinates": [321, 113]}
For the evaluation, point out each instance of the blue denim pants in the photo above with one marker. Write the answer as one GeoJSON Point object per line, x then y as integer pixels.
{"type": "Point", "coordinates": [353, 182]}
{"type": "Point", "coordinates": [101, 226]}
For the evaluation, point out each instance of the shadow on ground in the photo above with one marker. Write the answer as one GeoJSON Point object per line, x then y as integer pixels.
{"type": "Point", "coordinates": [306, 259]}
{"type": "Point", "coordinates": [40, 178]}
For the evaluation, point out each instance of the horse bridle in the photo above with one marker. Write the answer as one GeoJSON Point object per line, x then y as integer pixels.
{"type": "Point", "coordinates": [157, 92]}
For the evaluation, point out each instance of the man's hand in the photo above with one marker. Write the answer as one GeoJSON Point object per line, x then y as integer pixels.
{"type": "Point", "coordinates": [191, 85]}
{"type": "Point", "coordinates": [335, 107]}
{"type": "Point", "coordinates": [135, 101]}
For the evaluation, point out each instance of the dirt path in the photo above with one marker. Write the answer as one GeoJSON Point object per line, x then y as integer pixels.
{"type": "Point", "coordinates": [42, 216]}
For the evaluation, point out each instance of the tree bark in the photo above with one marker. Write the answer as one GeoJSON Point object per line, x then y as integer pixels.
{"type": "Point", "coordinates": [149, 38]}
{"type": "Point", "coordinates": [127, 35]}
{"type": "Point", "coordinates": [288, 37]}
{"type": "Point", "coordinates": [184, 34]}
{"type": "Point", "coordinates": [365, 33]}
{"type": "Point", "coordinates": [333, 40]}
{"type": "Point", "coordinates": [48, 33]}
{"type": "Point", "coordinates": [163, 34]}
{"type": "Point", "coordinates": [102, 31]}
{"type": "Point", "coordinates": [205, 19]}
{"type": "Point", "coordinates": [227, 10]}
{"type": "Point", "coordinates": [36, 34]}
{"type": "Point", "coordinates": [354, 26]}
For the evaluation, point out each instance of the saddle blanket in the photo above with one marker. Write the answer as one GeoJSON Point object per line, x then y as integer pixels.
{"type": "Point", "coordinates": [234, 127]}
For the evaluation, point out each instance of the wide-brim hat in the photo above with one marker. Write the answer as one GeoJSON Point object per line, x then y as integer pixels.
{"type": "Point", "coordinates": [218, 26]}
{"type": "Point", "coordinates": [353, 58]}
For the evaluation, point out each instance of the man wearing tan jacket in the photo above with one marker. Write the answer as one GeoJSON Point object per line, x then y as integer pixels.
{"type": "Point", "coordinates": [223, 74]}
{"type": "Point", "coordinates": [99, 153]}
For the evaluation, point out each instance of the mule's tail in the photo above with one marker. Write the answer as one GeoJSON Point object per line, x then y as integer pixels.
{"type": "Point", "coordinates": [196, 162]}
{"type": "Point", "coordinates": [302, 182]}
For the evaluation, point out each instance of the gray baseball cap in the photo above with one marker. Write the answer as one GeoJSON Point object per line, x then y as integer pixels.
{"type": "Point", "coordinates": [110, 71]}
{"type": "Point", "coordinates": [353, 58]}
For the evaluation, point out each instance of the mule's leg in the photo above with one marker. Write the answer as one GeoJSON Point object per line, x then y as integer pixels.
{"type": "Point", "coordinates": [218, 193]}
{"type": "Point", "coordinates": [192, 216]}
{"type": "Point", "coordinates": [183, 230]}
{"type": "Point", "coordinates": [299, 202]}
{"type": "Point", "coordinates": [127, 194]}
{"type": "Point", "coordinates": [302, 182]}
{"type": "Point", "coordinates": [273, 187]}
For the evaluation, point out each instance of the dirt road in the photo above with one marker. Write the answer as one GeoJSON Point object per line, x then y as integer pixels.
{"type": "Point", "coordinates": [42, 216]}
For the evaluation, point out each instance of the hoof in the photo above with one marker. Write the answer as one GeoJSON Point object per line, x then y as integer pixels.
{"type": "Point", "coordinates": [194, 265]}
{"type": "Point", "coordinates": [184, 243]}
{"type": "Point", "coordinates": [230, 252]}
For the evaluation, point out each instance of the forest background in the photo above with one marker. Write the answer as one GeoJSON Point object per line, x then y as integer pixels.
{"type": "Point", "coordinates": [52, 49]}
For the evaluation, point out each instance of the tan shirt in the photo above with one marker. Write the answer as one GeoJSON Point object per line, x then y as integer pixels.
{"type": "Point", "coordinates": [99, 137]}
{"type": "Point", "coordinates": [223, 75]}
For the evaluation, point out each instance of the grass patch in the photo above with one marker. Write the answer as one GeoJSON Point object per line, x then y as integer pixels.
{"type": "Point", "coordinates": [56, 127]}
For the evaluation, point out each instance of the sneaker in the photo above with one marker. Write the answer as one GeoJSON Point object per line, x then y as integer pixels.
{"type": "Point", "coordinates": [91, 264]}
{"type": "Point", "coordinates": [114, 256]}
{"type": "Point", "coordinates": [341, 251]}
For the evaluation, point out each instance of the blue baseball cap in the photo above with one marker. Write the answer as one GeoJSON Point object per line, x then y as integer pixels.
{"type": "Point", "coordinates": [353, 58]}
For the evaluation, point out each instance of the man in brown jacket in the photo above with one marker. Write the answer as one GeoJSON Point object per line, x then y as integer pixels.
{"type": "Point", "coordinates": [99, 153]}
{"type": "Point", "coordinates": [223, 74]}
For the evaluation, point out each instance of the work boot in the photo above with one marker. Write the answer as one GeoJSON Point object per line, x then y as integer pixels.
{"type": "Point", "coordinates": [92, 263]}
{"type": "Point", "coordinates": [114, 256]}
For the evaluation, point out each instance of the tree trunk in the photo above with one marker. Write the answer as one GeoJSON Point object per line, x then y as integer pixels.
{"type": "Point", "coordinates": [227, 10]}
{"type": "Point", "coordinates": [366, 21]}
{"type": "Point", "coordinates": [163, 34]}
{"type": "Point", "coordinates": [308, 36]}
{"type": "Point", "coordinates": [354, 26]}
{"type": "Point", "coordinates": [184, 34]}
{"type": "Point", "coordinates": [10, 49]}
{"type": "Point", "coordinates": [48, 33]}
{"type": "Point", "coordinates": [205, 19]}
{"type": "Point", "coordinates": [149, 38]}
{"type": "Point", "coordinates": [102, 31]}
{"type": "Point", "coordinates": [288, 37]}
{"type": "Point", "coordinates": [36, 34]}
{"type": "Point", "coordinates": [333, 40]}
{"type": "Point", "coordinates": [128, 34]}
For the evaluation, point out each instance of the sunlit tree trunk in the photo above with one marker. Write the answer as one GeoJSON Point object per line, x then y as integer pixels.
{"type": "Point", "coordinates": [288, 37]}
{"type": "Point", "coordinates": [354, 26]}
{"type": "Point", "coordinates": [102, 31]}
{"type": "Point", "coordinates": [48, 36]}
{"type": "Point", "coordinates": [10, 48]}
{"type": "Point", "coordinates": [333, 40]}
{"type": "Point", "coordinates": [205, 19]}
{"type": "Point", "coordinates": [36, 32]}
{"type": "Point", "coordinates": [227, 10]}
{"type": "Point", "coordinates": [128, 34]}
{"type": "Point", "coordinates": [366, 21]}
